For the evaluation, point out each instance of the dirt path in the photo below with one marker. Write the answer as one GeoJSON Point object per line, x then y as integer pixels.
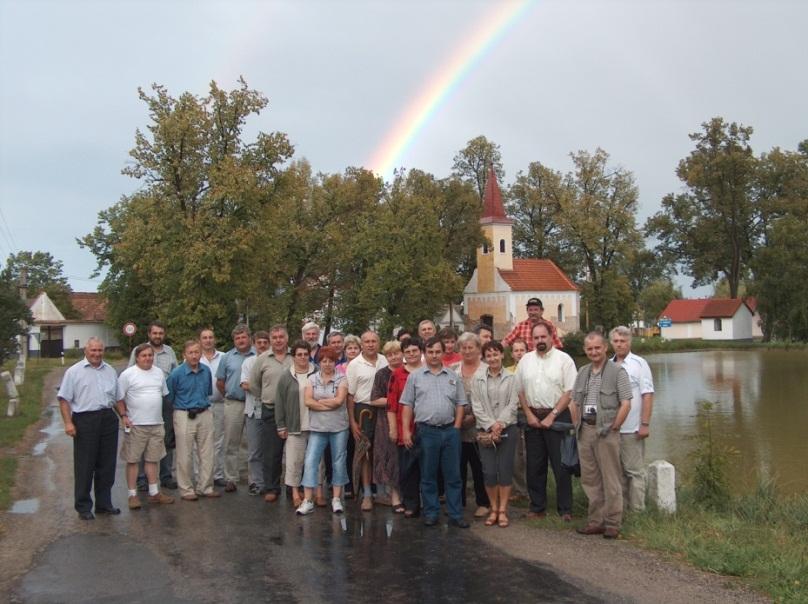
{"type": "Point", "coordinates": [611, 571]}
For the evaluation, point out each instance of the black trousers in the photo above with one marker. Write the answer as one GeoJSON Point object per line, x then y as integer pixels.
{"type": "Point", "coordinates": [409, 478]}
{"type": "Point", "coordinates": [542, 446]}
{"type": "Point", "coordinates": [273, 451]}
{"type": "Point", "coordinates": [95, 448]}
{"type": "Point", "coordinates": [470, 456]}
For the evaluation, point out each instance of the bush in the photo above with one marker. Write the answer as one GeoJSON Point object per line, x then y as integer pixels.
{"type": "Point", "coordinates": [710, 461]}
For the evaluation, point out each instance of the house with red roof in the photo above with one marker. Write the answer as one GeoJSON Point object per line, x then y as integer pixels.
{"type": "Point", "coordinates": [501, 284]}
{"type": "Point", "coordinates": [51, 334]}
{"type": "Point", "coordinates": [707, 319]}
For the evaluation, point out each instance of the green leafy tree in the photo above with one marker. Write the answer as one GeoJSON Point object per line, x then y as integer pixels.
{"type": "Point", "coordinates": [654, 297]}
{"type": "Point", "coordinates": [14, 314]}
{"type": "Point", "coordinates": [598, 223]}
{"type": "Point", "coordinates": [183, 243]}
{"type": "Point", "coordinates": [712, 228]}
{"type": "Point", "coordinates": [43, 273]}
{"type": "Point", "coordinates": [534, 203]}
{"type": "Point", "coordinates": [472, 162]}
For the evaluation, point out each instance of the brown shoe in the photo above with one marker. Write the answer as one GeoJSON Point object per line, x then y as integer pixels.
{"type": "Point", "coordinates": [367, 504]}
{"type": "Point", "coordinates": [566, 517]}
{"type": "Point", "coordinates": [611, 532]}
{"type": "Point", "coordinates": [481, 512]}
{"type": "Point", "coordinates": [271, 497]}
{"type": "Point", "coordinates": [212, 494]}
{"type": "Point", "coordinates": [536, 515]}
{"type": "Point", "coordinates": [590, 529]}
{"type": "Point", "coordinates": [190, 497]}
{"type": "Point", "coordinates": [230, 487]}
{"type": "Point", "coordinates": [320, 502]}
{"type": "Point", "coordinates": [160, 498]}
{"type": "Point", "coordinates": [134, 503]}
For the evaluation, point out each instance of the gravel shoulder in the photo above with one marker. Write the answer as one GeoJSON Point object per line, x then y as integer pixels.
{"type": "Point", "coordinates": [619, 570]}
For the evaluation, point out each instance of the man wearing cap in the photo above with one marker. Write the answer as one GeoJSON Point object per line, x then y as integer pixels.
{"type": "Point", "coordinates": [524, 329]}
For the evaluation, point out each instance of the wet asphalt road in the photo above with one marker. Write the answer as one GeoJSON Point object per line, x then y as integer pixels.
{"type": "Point", "coordinates": [240, 549]}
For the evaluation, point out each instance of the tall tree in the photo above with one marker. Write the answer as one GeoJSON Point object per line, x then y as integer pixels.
{"type": "Point", "coordinates": [534, 204]}
{"type": "Point", "coordinates": [598, 221]}
{"type": "Point", "coordinates": [43, 273]}
{"type": "Point", "coordinates": [14, 314]}
{"type": "Point", "coordinates": [472, 162]}
{"type": "Point", "coordinates": [185, 239]}
{"type": "Point", "coordinates": [713, 226]}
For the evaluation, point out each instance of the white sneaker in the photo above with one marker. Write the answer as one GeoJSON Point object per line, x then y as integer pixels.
{"type": "Point", "coordinates": [336, 505]}
{"type": "Point", "coordinates": [307, 507]}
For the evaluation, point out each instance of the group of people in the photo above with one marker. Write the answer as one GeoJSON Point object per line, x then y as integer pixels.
{"type": "Point", "coordinates": [399, 423]}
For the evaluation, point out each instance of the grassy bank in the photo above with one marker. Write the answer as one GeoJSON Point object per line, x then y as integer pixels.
{"type": "Point", "coordinates": [12, 429]}
{"type": "Point", "coordinates": [761, 538]}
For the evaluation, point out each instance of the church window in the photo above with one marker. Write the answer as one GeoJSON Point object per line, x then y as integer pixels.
{"type": "Point", "coordinates": [560, 314]}
{"type": "Point", "coordinates": [502, 246]}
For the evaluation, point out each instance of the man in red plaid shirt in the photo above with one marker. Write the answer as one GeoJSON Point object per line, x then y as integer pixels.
{"type": "Point", "coordinates": [524, 329]}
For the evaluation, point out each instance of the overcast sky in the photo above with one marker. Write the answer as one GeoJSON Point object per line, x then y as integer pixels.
{"type": "Point", "coordinates": [633, 77]}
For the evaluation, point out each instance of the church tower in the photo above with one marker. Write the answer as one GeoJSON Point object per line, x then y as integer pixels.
{"type": "Point", "coordinates": [497, 252]}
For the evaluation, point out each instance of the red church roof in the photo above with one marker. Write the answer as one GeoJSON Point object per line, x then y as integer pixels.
{"type": "Point", "coordinates": [493, 208]}
{"type": "Point", "coordinates": [691, 311]}
{"type": "Point", "coordinates": [537, 275]}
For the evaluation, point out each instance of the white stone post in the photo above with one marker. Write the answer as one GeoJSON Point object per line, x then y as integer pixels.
{"type": "Point", "coordinates": [662, 485]}
{"type": "Point", "coordinates": [11, 390]}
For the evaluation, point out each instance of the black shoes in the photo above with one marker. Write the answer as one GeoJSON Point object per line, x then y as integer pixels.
{"type": "Point", "coordinates": [459, 523]}
{"type": "Point", "coordinates": [86, 516]}
{"type": "Point", "coordinates": [169, 483]}
{"type": "Point", "coordinates": [112, 510]}
{"type": "Point", "coordinates": [430, 521]}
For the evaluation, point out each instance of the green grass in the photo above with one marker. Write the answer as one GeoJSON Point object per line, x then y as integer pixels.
{"type": "Point", "coordinates": [13, 428]}
{"type": "Point", "coordinates": [761, 538]}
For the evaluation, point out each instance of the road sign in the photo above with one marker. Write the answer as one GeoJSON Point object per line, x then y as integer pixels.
{"type": "Point", "coordinates": [129, 329]}
{"type": "Point", "coordinates": [664, 322]}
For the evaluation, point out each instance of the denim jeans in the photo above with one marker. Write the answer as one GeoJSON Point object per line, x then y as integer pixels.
{"type": "Point", "coordinates": [318, 441]}
{"type": "Point", "coordinates": [440, 447]}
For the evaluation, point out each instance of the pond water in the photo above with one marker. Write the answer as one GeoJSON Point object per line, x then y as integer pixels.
{"type": "Point", "coordinates": [760, 410]}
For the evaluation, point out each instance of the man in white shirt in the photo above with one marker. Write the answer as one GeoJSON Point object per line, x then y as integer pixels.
{"type": "Point", "coordinates": [362, 415]}
{"type": "Point", "coordinates": [544, 379]}
{"type": "Point", "coordinates": [211, 358]}
{"type": "Point", "coordinates": [636, 428]}
{"type": "Point", "coordinates": [140, 393]}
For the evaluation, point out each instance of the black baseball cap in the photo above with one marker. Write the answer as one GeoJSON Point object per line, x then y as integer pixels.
{"type": "Point", "coordinates": [534, 302]}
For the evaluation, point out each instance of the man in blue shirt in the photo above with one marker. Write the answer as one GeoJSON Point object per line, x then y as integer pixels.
{"type": "Point", "coordinates": [228, 382]}
{"type": "Point", "coordinates": [189, 389]}
{"type": "Point", "coordinates": [434, 395]}
{"type": "Point", "coordinates": [86, 397]}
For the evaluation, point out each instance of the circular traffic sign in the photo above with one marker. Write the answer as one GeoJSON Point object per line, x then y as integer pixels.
{"type": "Point", "coordinates": [129, 329]}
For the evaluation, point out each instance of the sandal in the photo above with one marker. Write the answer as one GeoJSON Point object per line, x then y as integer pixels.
{"type": "Point", "coordinates": [492, 519]}
{"type": "Point", "coordinates": [503, 520]}
{"type": "Point", "coordinates": [399, 508]}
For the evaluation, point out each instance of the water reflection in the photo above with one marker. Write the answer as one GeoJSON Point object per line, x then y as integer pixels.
{"type": "Point", "coordinates": [761, 404]}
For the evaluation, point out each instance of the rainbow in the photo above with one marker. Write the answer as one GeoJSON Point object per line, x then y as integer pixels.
{"type": "Point", "coordinates": [445, 80]}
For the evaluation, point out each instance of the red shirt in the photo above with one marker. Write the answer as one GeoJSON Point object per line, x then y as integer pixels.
{"type": "Point", "coordinates": [450, 358]}
{"type": "Point", "coordinates": [524, 330]}
{"type": "Point", "coordinates": [397, 382]}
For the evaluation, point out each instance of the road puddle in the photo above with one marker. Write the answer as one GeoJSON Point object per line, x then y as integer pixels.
{"type": "Point", "coordinates": [25, 506]}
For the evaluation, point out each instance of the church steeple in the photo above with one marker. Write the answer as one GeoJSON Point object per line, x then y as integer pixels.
{"type": "Point", "coordinates": [497, 252]}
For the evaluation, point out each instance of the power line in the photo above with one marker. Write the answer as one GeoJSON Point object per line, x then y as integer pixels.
{"type": "Point", "coordinates": [10, 237]}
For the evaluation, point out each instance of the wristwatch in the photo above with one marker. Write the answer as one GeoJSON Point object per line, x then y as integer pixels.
{"type": "Point", "coordinates": [554, 411]}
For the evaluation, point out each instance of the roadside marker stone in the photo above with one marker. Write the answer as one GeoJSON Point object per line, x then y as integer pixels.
{"type": "Point", "coordinates": [662, 485]}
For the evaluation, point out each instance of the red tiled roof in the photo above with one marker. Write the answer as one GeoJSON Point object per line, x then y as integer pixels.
{"type": "Point", "coordinates": [537, 275]}
{"type": "Point", "coordinates": [493, 208]}
{"type": "Point", "coordinates": [721, 307]}
{"type": "Point", "coordinates": [751, 302]}
{"type": "Point", "coordinates": [90, 305]}
{"type": "Point", "coordinates": [691, 311]}
{"type": "Point", "coordinates": [684, 311]}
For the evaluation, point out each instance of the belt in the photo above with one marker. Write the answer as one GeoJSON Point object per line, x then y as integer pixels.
{"type": "Point", "coordinates": [93, 411]}
{"type": "Point", "coordinates": [590, 420]}
{"type": "Point", "coordinates": [194, 409]}
{"type": "Point", "coordinates": [540, 413]}
{"type": "Point", "coordinates": [441, 427]}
